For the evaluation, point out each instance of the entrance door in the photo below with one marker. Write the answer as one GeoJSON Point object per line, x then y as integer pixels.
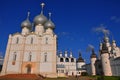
{"type": "Point", "coordinates": [28, 69]}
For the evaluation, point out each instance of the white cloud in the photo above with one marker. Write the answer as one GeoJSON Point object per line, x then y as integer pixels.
{"type": "Point", "coordinates": [89, 48]}
{"type": "Point", "coordinates": [66, 35]}
{"type": "Point", "coordinates": [115, 19]}
{"type": "Point", "coordinates": [102, 29]}
{"type": "Point", "coordinates": [63, 33]}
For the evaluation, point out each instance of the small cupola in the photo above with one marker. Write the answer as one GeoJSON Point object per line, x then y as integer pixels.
{"type": "Point", "coordinates": [93, 55]}
{"type": "Point", "coordinates": [26, 23]}
{"type": "Point", "coordinates": [49, 23]}
{"type": "Point", "coordinates": [80, 59]}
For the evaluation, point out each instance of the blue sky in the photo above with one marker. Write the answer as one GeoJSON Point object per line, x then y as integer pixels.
{"type": "Point", "coordinates": [75, 20]}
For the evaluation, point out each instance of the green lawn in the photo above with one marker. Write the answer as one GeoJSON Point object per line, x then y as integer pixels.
{"type": "Point", "coordinates": [108, 78]}
{"type": "Point", "coordinates": [87, 78]}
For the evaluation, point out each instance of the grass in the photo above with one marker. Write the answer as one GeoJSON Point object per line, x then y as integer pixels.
{"type": "Point", "coordinates": [105, 77]}
{"type": "Point", "coordinates": [108, 78]}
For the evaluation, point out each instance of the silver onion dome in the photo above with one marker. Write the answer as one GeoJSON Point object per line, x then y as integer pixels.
{"type": "Point", "coordinates": [26, 23]}
{"type": "Point", "coordinates": [40, 19]}
{"type": "Point", "coordinates": [49, 23]}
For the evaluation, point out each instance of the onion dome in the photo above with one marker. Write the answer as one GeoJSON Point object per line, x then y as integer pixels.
{"type": "Point", "coordinates": [80, 59]}
{"type": "Point", "coordinates": [26, 23]}
{"type": "Point", "coordinates": [106, 39]}
{"type": "Point", "coordinates": [113, 41]}
{"type": "Point", "coordinates": [49, 23]}
{"type": "Point", "coordinates": [93, 55]}
{"type": "Point", "coordinates": [40, 19]}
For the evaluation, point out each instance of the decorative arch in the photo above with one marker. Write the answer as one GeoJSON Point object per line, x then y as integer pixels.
{"type": "Point", "coordinates": [72, 59]}
{"type": "Point", "coordinates": [66, 59]}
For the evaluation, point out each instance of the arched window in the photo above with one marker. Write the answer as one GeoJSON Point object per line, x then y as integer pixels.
{"type": "Point", "coordinates": [46, 41]}
{"type": "Point", "coordinates": [45, 57]}
{"type": "Point", "coordinates": [31, 40]}
{"type": "Point", "coordinates": [30, 57]}
{"type": "Point", "coordinates": [67, 59]}
{"type": "Point", "coordinates": [14, 56]}
{"type": "Point", "coordinates": [72, 59]}
{"type": "Point", "coordinates": [61, 59]}
{"type": "Point", "coordinates": [17, 40]}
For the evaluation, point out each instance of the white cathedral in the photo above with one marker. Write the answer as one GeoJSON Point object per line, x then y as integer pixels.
{"type": "Point", "coordinates": [35, 51]}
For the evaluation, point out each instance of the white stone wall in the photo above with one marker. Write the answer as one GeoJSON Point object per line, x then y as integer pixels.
{"type": "Point", "coordinates": [80, 64]}
{"type": "Point", "coordinates": [93, 70]}
{"type": "Point", "coordinates": [106, 64]}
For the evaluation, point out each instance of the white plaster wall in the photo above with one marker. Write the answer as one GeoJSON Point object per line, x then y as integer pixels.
{"type": "Point", "coordinates": [80, 64]}
{"type": "Point", "coordinates": [49, 57]}
{"type": "Point", "coordinates": [50, 39]}
{"type": "Point", "coordinates": [25, 31]}
{"type": "Point", "coordinates": [106, 64]}
{"type": "Point", "coordinates": [17, 57]}
{"type": "Point", "coordinates": [46, 67]}
{"type": "Point", "coordinates": [39, 29]}
{"type": "Point", "coordinates": [35, 39]}
{"type": "Point", "coordinates": [33, 57]}
{"type": "Point", "coordinates": [93, 66]}
{"type": "Point", "coordinates": [13, 68]}
{"type": "Point", "coordinates": [14, 38]}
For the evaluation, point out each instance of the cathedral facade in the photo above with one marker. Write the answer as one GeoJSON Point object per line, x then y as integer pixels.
{"type": "Point", "coordinates": [32, 51]}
